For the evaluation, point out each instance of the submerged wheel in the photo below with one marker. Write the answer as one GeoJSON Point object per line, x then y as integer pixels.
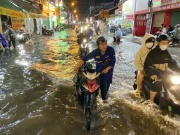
{"type": "Point", "coordinates": [88, 121]}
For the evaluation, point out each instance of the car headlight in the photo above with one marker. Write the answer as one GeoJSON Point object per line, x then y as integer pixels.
{"type": "Point", "coordinates": [175, 80]}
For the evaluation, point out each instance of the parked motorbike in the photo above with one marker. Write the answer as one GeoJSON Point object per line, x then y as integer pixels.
{"type": "Point", "coordinates": [87, 88]}
{"type": "Point", "coordinates": [57, 28]}
{"type": "Point", "coordinates": [21, 36]}
{"type": "Point", "coordinates": [169, 97]}
{"type": "Point", "coordinates": [84, 50]}
{"type": "Point", "coordinates": [174, 41]}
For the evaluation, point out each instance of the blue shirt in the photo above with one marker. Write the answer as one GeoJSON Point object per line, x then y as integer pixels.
{"type": "Point", "coordinates": [108, 57]}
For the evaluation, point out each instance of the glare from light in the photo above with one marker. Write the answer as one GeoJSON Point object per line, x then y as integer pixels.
{"type": "Point", "coordinates": [175, 80]}
{"type": "Point", "coordinates": [84, 41]}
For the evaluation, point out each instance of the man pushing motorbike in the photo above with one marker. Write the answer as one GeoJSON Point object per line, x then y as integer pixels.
{"type": "Point", "coordinates": [156, 66]}
{"type": "Point", "coordinates": [105, 60]}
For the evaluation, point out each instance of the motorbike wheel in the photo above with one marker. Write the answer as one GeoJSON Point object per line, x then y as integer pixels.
{"type": "Point", "coordinates": [88, 110]}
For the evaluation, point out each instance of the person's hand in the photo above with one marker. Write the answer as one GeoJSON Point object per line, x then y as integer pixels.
{"type": "Point", "coordinates": [106, 70]}
{"type": "Point", "coordinates": [154, 77]}
{"type": "Point", "coordinates": [76, 69]}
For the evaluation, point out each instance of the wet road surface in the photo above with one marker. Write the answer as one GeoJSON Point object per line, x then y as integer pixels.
{"type": "Point", "coordinates": [41, 101]}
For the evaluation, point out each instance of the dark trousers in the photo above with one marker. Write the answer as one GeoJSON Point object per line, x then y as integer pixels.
{"type": "Point", "coordinates": [12, 39]}
{"type": "Point", "coordinates": [116, 40]}
{"type": "Point", "coordinates": [104, 86]}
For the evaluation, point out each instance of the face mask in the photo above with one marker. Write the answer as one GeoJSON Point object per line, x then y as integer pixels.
{"type": "Point", "coordinates": [163, 47]}
{"type": "Point", "coordinates": [149, 45]}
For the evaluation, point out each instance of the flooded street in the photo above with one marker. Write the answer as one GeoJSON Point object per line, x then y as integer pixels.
{"type": "Point", "coordinates": [37, 94]}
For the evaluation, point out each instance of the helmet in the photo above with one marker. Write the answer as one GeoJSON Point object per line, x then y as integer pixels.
{"type": "Point", "coordinates": [101, 40]}
{"type": "Point", "coordinates": [163, 37]}
{"type": "Point", "coordinates": [151, 39]}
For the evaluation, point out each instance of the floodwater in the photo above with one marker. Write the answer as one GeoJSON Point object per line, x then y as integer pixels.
{"type": "Point", "coordinates": [30, 103]}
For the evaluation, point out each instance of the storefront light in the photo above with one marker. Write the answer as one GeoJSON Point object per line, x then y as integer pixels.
{"type": "Point", "coordinates": [54, 18]}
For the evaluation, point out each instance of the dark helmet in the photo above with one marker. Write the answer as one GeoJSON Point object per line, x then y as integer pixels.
{"type": "Point", "coordinates": [101, 40]}
{"type": "Point", "coordinates": [151, 39]}
{"type": "Point", "coordinates": [163, 37]}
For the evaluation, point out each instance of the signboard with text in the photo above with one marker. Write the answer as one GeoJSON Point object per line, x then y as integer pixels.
{"type": "Point", "coordinates": [17, 22]}
{"type": "Point", "coordinates": [140, 25]}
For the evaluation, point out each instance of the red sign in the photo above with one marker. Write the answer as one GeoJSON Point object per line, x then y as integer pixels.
{"type": "Point", "coordinates": [130, 17]}
{"type": "Point", "coordinates": [171, 6]}
{"type": "Point", "coordinates": [165, 2]}
{"type": "Point", "coordinates": [140, 25]}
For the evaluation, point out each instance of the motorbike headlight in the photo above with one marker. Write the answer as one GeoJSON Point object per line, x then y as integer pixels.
{"type": "Point", "coordinates": [84, 40]}
{"type": "Point", "coordinates": [175, 79]}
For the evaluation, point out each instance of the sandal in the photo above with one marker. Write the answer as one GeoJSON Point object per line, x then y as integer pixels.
{"type": "Point", "coordinates": [137, 94]}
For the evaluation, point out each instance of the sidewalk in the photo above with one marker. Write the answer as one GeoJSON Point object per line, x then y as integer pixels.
{"type": "Point", "coordinates": [133, 39]}
{"type": "Point", "coordinates": [129, 37]}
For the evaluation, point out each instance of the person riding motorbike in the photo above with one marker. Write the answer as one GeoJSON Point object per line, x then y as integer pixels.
{"type": "Point", "coordinates": [147, 44]}
{"type": "Point", "coordinates": [160, 59]}
{"type": "Point", "coordinates": [26, 31]}
{"type": "Point", "coordinates": [80, 37]}
{"type": "Point", "coordinates": [84, 49]}
{"type": "Point", "coordinates": [105, 60]}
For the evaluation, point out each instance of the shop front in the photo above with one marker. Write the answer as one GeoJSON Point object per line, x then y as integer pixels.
{"type": "Point", "coordinates": [163, 12]}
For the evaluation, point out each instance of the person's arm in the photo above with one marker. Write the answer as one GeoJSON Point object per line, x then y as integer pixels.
{"type": "Point", "coordinates": [137, 61]}
{"type": "Point", "coordinates": [148, 64]}
{"type": "Point", "coordinates": [112, 62]}
{"type": "Point", "coordinates": [112, 59]}
{"type": "Point", "coordinates": [84, 59]}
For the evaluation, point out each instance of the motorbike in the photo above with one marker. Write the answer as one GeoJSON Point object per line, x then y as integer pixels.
{"type": "Point", "coordinates": [84, 50]}
{"type": "Point", "coordinates": [174, 41]}
{"type": "Point", "coordinates": [77, 30]}
{"type": "Point", "coordinates": [57, 28]}
{"type": "Point", "coordinates": [87, 88]}
{"type": "Point", "coordinates": [169, 97]}
{"type": "Point", "coordinates": [21, 36]}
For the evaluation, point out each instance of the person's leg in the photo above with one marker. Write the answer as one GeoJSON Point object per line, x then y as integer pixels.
{"type": "Point", "coordinates": [140, 77]}
{"type": "Point", "coordinates": [13, 42]}
{"type": "Point", "coordinates": [152, 96]}
{"type": "Point", "coordinates": [114, 39]}
{"type": "Point", "coordinates": [118, 40]}
{"type": "Point", "coordinates": [103, 87]}
{"type": "Point", "coordinates": [9, 42]}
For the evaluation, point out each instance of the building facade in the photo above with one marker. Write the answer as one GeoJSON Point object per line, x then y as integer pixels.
{"type": "Point", "coordinates": [163, 12]}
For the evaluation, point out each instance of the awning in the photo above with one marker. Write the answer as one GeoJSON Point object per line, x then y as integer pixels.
{"type": "Point", "coordinates": [34, 15]}
{"type": "Point", "coordinates": [9, 5]}
{"type": "Point", "coordinates": [10, 9]}
{"type": "Point", "coordinates": [9, 12]}
{"type": "Point", "coordinates": [27, 6]}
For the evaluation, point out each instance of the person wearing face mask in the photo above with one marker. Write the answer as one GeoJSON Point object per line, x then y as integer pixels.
{"type": "Point", "coordinates": [160, 59]}
{"type": "Point", "coordinates": [148, 43]}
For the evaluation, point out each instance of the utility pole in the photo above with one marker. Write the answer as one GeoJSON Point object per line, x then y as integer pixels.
{"type": "Point", "coordinates": [149, 16]}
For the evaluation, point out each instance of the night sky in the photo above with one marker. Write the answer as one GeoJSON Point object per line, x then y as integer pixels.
{"type": "Point", "coordinates": [82, 6]}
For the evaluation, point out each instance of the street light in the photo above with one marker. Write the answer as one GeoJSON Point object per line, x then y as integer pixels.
{"type": "Point", "coordinates": [75, 11]}
{"type": "Point", "coordinates": [73, 3]}
{"type": "Point", "coordinates": [149, 16]}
